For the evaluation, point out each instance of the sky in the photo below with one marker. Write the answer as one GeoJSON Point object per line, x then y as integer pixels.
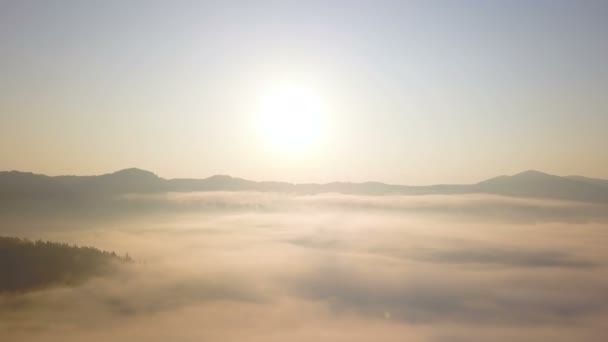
{"type": "Point", "coordinates": [412, 92]}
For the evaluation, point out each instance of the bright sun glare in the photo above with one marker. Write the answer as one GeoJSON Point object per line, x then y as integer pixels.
{"type": "Point", "coordinates": [293, 119]}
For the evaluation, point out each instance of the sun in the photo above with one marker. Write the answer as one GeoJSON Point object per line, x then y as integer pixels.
{"type": "Point", "coordinates": [293, 119]}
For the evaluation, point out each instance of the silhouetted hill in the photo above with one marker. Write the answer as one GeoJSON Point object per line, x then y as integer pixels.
{"type": "Point", "coordinates": [16, 186]}
{"type": "Point", "coordinates": [594, 181]}
{"type": "Point", "coordinates": [27, 265]}
{"type": "Point", "coordinates": [538, 184]}
{"type": "Point", "coordinates": [213, 183]}
{"type": "Point", "coordinates": [129, 181]}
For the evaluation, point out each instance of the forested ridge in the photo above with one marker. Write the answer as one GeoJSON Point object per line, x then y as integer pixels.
{"type": "Point", "coordinates": [27, 265]}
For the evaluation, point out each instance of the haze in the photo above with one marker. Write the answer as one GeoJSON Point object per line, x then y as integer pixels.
{"type": "Point", "coordinates": [290, 171]}
{"type": "Point", "coordinates": [419, 92]}
{"type": "Point", "coordinates": [236, 266]}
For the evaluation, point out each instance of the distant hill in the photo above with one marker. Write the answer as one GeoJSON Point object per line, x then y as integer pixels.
{"type": "Point", "coordinates": [125, 181]}
{"type": "Point", "coordinates": [15, 186]}
{"type": "Point", "coordinates": [27, 265]}
{"type": "Point", "coordinates": [594, 181]}
{"type": "Point", "coordinates": [538, 184]}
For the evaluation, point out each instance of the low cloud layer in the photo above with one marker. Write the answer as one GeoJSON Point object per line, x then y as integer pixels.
{"type": "Point", "coordinates": [263, 267]}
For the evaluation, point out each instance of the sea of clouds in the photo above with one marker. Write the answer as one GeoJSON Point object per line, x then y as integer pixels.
{"type": "Point", "coordinates": [277, 267]}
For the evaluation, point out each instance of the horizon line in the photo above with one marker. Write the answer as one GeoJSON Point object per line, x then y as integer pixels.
{"type": "Point", "coordinates": [137, 169]}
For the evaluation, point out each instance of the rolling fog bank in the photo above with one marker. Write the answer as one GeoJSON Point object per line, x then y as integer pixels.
{"type": "Point", "coordinates": [275, 267]}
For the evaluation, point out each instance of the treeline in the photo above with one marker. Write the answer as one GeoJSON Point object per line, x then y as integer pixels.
{"type": "Point", "coordinates": [27, 265]}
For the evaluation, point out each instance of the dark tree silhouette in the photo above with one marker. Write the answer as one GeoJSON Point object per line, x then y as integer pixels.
{"type": "Point", "coordinates": [27, 265]}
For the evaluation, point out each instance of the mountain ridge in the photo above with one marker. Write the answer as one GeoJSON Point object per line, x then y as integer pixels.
{"type": "Point", "coordinates": [529, 183]}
